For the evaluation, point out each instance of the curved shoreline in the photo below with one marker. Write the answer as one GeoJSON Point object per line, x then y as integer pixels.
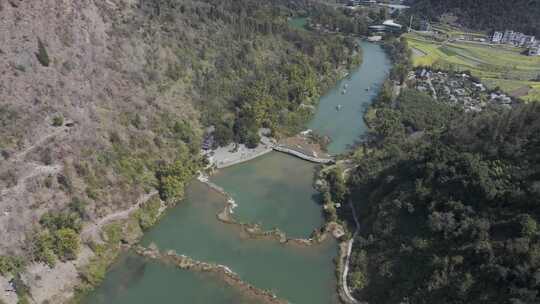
{"type": "Point", "coordinates": [224, 272]}
{"type": "Point", "coordinates": [256, 232]}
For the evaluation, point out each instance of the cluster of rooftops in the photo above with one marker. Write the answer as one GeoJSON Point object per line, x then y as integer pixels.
{"type": "Point", "coordinates": [517, 39]}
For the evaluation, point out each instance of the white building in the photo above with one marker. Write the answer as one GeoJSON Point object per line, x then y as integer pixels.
{"type": "Point", "coordinates": [497, 37]}
{"type": "Point", "coordinates": [513, 38]}
{"type": "Point", "coordinates": [527, 41]}
{"type": "Point", "coordinates": [392, 25]}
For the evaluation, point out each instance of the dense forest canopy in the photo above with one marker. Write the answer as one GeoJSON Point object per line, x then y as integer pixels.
{"type": "Point", "coordinates": [452, 217]}
{"type": "Point", "coordinates": [263, 72]}
{"type": "Point", "coordinates": [517, 15]}
{"type": "Point", "coordinates": [449, 202]}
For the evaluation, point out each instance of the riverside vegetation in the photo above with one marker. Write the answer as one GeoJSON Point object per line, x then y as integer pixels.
{"type": "Point", "coordinates": [162, 72]}
{"type": "Point", "coordinates": [448, 202]}
{"type": "Point", "coordinates": [280, 194]}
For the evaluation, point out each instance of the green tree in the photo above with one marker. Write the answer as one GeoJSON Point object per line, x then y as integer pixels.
{"type": "Point", "coordinates": [58, 121]}
{"type": "Point", "coordinates": [529, 226]}
{"type": "Point", "coordinates": [67, 243]}
{"type": "Point", "coordinates": [252, 140]}
{"type": "Point", "coordinates": [43, 248]}
{"type": "Point", "coordinates": [10, 264]}
{"type": "Point", "coordinates": [358, 280]}
{"type": "Point", "coordinates": [223, 134]}
{"type": "Point", "coordinates": [173, 176]}
{"type": "Point", "coordinates": [42, 55]}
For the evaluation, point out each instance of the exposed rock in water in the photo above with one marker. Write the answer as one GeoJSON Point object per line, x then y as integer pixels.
{"type": "Point", "coordinates": [230, 277]}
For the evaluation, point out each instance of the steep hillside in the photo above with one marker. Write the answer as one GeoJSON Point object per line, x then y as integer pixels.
{"type": "Point", "coordinates": [103, 104]}
{"type": "Point", "coordinates": [518, 15]}
{"type": "Point", "coordinates": [448, 204]}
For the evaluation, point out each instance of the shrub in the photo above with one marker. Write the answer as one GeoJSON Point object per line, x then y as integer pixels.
{"type": "Point", "coordinates": [92, 192]}
{"type": "Point", "coordinates": [94, 272]}
{"type": "Point", "coordinates": [58, 121]}
{"type": "Point", "coordinates": [252, 140]}
{"type": "Point", "coordinates": [60, 238]}
{"type": "Point", "coordinates": [43, 244]}
{"type": "Point", "coordinates": [148, 215]}
{"type": "Point", "coordinates": [10, 264]}
{"type": "Point", "coordinates": [78, 206]}
{"type": "Point", "coordinates": [42, 55]}
{"type": "Point", "coordinates": [65, 181]}
{"type": "Point", "coordinates": [67, 243]}
{"type": "Point", "coordinates": [22, 290]}
{"type": "Point", "coordinates": [54, 222]}
{"type": "Point", "coordinates": [20, 67]}
{"type": "Point", "coordinates": [172, 177]}
{"type": "Point", "coordinates": [224, 134]}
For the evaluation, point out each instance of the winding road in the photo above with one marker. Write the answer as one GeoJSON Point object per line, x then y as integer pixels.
{"type": "Point", "coordinates": [350, 243]}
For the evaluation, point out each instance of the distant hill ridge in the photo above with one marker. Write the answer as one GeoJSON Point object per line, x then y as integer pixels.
{"type": "Point", "coordinates": [518, 15]}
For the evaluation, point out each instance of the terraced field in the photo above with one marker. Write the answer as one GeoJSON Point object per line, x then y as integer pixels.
{"type": "Point", "coordinates": [497, 66]}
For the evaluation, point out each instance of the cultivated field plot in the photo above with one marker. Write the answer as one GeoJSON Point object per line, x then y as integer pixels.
{"type": "Point", "coordinates": [497, 65]}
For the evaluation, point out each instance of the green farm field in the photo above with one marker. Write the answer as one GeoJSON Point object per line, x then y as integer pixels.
{"type": "Point", "coordinates": [496, 65]}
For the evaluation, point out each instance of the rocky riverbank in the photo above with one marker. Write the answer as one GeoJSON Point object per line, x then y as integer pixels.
{"type": "Point", "coordinates": [224, 272]}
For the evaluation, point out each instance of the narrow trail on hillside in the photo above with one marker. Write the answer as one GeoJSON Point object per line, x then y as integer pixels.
{"type": "Point", "coordinates": [37, 170]}
{"type": "Point", "coordinates": [93, 229]}
{"type": "Point", "coordinates": [19, 156]}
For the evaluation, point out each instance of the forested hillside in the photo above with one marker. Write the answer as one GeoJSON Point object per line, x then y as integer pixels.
{"type": "Point", "coordinates": [517, 15]}
{"type": "Point", "coordinates": [449, 204]}
{"type": "Point", "coordinates": [103, 103]}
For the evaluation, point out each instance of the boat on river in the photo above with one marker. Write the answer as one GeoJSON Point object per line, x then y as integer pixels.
{"type": "Point", "coordinates": [288, 179]}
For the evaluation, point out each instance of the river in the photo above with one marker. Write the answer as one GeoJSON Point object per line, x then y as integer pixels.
{"type": "Point", "coordinates": [274, 190]}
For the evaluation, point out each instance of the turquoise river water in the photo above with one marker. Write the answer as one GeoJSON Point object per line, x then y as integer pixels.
{"type": "Point", "coordinates": [274, 190]}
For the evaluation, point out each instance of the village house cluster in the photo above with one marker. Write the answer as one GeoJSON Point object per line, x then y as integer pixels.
{"type": "Point", "coordinates": [517, 39]}
{"type": "Point", "coordinates": [457, 89]}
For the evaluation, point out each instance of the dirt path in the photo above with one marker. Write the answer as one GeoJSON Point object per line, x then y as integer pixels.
{"type": "Point", "coordinates": [92, 230]}
{"type": "Point", "coordinates": [55, 285]}
{"type": "Point", "coordinates": [19, 156]}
